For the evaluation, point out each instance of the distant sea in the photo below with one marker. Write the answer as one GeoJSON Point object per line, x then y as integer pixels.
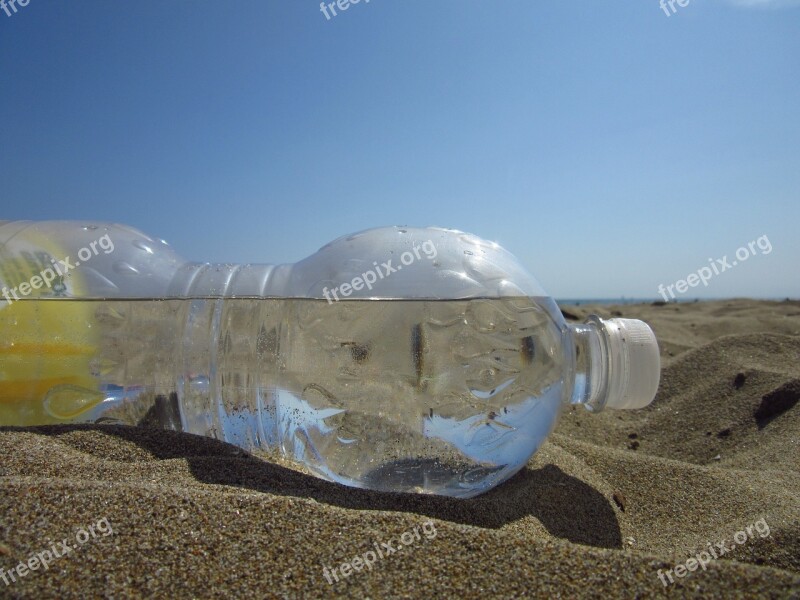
{"type": "Point", "coordinates": [579, 301]}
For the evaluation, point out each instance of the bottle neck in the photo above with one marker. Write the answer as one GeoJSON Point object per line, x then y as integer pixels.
{"type": "Point", "coordinates": [225, 280]}
{"type": "Point", "coordinates": [616, 364]}
{"type": "Point", "coordinates": [591, 366]}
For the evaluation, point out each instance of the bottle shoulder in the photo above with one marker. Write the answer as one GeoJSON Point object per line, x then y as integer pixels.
{"type": "Point", "coordinates": [413, 263]}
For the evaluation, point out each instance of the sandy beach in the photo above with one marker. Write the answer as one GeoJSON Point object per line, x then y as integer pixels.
{"type": "Point", "coordinates": [614, 505]}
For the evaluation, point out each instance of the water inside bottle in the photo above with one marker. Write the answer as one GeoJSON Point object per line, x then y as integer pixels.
{"type": "Point", "coordinates": [446, 396]}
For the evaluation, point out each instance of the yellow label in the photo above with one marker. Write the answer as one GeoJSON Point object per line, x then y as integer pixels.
{"type": "Point", "coordinates": [47, 340]}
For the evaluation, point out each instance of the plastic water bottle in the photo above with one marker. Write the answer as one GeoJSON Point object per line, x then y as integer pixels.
{"type": "Point", "coordinates": [396, 359]}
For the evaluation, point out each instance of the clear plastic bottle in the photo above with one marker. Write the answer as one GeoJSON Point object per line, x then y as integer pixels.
{"type": "Point", "coordinates": [397, 359]}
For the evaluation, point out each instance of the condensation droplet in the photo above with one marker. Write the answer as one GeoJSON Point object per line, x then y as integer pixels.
{"type": "Point", "coordinates": [143, 246]}
{"type": "Point", "coordinates": [124, 268]}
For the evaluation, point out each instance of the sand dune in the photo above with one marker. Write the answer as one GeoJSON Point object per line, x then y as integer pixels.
{"type": "Point", "coordinates": [609, 501]}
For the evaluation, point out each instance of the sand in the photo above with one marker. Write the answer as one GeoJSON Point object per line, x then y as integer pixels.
{"type": "Point", "coordinates": [609, 501]}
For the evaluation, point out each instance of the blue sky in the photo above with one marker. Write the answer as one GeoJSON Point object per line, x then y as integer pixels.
{"type": "Point", "coordinates": [609, 146]}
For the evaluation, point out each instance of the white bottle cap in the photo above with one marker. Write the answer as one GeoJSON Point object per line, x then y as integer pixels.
{"type": "Point", "coordinates": [635, 363]}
